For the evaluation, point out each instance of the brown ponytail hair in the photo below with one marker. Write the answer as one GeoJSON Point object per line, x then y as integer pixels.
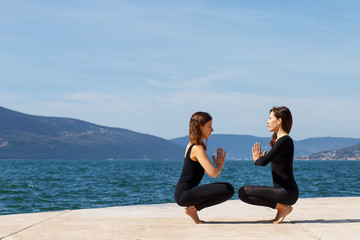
{"type": "Point", "coordinates": [198, 119]}
{"type": "Point", "coordinates": [286, 121]}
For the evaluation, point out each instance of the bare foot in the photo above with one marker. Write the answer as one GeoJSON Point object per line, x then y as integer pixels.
{"type": "Point", "coordinates": [283, 211]}
{"type": "Point", "coordinates": [192, 212]}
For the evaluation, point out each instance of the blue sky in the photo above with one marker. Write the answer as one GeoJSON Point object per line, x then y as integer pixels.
{"type": "Point", "coordinates": [148, 65]}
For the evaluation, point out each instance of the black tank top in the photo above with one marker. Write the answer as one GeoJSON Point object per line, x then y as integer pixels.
{"type": "Point", "coordinates": [191, 174]}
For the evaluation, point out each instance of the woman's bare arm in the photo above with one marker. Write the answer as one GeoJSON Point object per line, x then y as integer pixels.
{"type": "Point", "coordinates": [198, 153]}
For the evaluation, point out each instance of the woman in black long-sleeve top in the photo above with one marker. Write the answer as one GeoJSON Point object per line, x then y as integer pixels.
{"type": "Point", "coordinates": [285, 191]}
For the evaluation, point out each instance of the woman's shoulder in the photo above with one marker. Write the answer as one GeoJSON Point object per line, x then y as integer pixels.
{"type": "Point", "coordinates": [197, 147]}
{"type": "Point", "coordinates": [194, 148]}
{"type": "Point", "coordinates": [284, 139]}
{"type": "Point", "coordinates": [196, 151]}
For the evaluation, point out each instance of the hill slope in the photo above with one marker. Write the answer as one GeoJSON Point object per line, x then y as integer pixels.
{"type": "Point", "coordinates": [349, 153]}
{"type": "Point", "coordinates": [24, 136]}
{"type": "Point", "coordinates": [239, 146]}
{"type": "Point", "coordinates": [236, 146]}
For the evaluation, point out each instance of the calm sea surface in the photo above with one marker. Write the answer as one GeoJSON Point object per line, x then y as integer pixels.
{"type": "Point", "coordinates": [47, 185]}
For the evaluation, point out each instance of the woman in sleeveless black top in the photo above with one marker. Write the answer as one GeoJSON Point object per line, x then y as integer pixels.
{"type": "Point", "coordinates": [188, 193]}
{"type": "Point", "coordinates": [285, 191]}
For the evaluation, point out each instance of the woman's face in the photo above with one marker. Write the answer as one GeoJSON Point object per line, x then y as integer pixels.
{"type": "Point", "coordinates": [273, 122]}
{"type": "Point", "coordinates": [207, 129]}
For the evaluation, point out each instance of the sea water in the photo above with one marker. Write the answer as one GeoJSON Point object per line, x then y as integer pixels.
{"type": "Point", "coordinates": [47, 185]}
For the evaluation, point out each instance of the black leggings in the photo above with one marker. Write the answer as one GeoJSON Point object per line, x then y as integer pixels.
{"type": "Point", "coordinates": [206, 195]}
{"type": "Point", "coordinates": [267, 196]}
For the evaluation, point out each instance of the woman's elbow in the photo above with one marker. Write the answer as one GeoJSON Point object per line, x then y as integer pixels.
{"type": "Point", "coordinates": [260, 163]}
{"type": "Point", "coordinates": [213, 174]}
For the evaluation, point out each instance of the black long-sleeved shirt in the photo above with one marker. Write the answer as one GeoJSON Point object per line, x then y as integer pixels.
{"type": "Point", "coordinates": [281, 157]}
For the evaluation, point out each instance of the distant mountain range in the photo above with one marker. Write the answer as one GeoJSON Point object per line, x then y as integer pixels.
{"type": "Point", "coordinates": [349, 153]}
{"type": "Point", "coordinates": [239, 146]}
{"type": "Point", "coordinates": [24, 136]}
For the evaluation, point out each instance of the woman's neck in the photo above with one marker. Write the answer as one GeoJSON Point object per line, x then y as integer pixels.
{"type": "Point", "coordinates": [280, 133]}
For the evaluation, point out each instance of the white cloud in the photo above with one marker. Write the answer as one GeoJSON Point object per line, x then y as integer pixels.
{"type": "Point", "coordinates": [166, 115]}
{"type": "Point", "coordinates": [247, 113]}
{"type": "Point", "coordinates": [147, 67]}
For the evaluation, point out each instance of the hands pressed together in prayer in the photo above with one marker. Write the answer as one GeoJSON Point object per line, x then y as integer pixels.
{"type": "Point", "coordinates": [220, 158]}
{"type": "Point", "coordinates": [256, 151]}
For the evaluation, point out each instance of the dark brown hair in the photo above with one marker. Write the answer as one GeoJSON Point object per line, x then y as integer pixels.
{"type": "Point", "coordinates": [198, 119]}
{"type": "Point", "coordinates": [286, 121]}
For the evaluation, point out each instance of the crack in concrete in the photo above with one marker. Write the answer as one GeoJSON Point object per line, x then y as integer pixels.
{"type": "Point", "coordinates": [37, 223]}
{"type": "Point", "coordinates": [305, 229]}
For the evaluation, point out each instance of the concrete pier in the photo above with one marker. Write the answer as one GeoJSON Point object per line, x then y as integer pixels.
{"type": "Point", "coordinates": [312, 218]}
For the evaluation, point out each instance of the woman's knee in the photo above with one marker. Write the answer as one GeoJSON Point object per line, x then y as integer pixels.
{"type": "Point", "coordinates": [242, 193]}
{"type": "Point", "coordinates": [230, 189]}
